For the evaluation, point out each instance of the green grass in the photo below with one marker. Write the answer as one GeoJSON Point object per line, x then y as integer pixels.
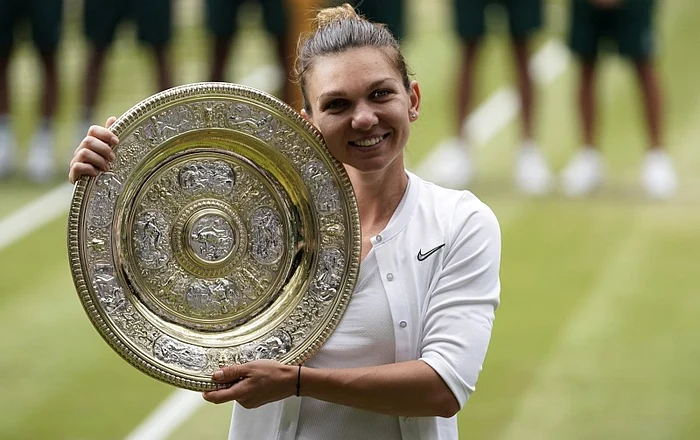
{"type": "Point", "coordinates": [596, 337]}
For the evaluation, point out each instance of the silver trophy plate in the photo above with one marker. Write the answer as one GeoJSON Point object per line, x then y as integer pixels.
{"type": "Point", "coordinates": [225, 232]}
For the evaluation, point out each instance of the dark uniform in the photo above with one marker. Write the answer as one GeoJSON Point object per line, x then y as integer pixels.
{"type": "Point", "coordinates": [222, 16]}
{"type": "Point", "coordinates": [392, 13]}
{"type": "Point", "coordinates": [45, 17]}
{"type": "Point", "coordinates": [153, 20]}
{"type": "Point", "coordinates": [524, 17]}
{"type": "Point", "coordinates": [629, 26]}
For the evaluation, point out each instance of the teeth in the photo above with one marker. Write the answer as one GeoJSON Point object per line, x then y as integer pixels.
{"type": "Point", "coordinates": [369, 142]}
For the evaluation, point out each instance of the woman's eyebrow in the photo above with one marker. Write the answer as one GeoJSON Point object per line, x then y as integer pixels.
{"type": "Point", "coordinates": [341, 93]}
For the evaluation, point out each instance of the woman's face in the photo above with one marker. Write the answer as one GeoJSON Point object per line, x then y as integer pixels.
{"type": "Point", "coordinates": [361, 107]}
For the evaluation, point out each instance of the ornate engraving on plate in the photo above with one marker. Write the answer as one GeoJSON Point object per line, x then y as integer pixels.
{"type": "Point", "coordinates": [108, 291]}
{"type": "Point", "coordinates": [211, 237]}
{"type": "Point", "coordinates": [212, 297]}
{"type": "Point", "coordinates": [224, 233]}
{"type": "Point", "coordinates": [278, 344]}
{"type": "Point", "coordinates": [151, 238]}
{"type": "Point", "coordinates": [325, 193]}
{"type": "Point", "coordinates": [328, 277]}
{"type": "Point", "coordinates": [174, 352]}
{"type": "Point", "coordinates": [266, 242]}
{"type": "Point", "coordinates": [207, 176]}
{"type": "Point", "coordinates": [102, 207]}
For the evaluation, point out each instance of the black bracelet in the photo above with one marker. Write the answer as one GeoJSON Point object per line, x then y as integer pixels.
{"type": "Point", "coordinates": [298, 380]}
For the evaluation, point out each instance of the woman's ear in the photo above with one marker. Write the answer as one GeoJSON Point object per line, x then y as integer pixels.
{"type": "Point", "coordinates": [414, 100]}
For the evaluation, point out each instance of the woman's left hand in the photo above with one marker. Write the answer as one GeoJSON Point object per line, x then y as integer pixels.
{"type": "Point", "coordinates": [254, 383]}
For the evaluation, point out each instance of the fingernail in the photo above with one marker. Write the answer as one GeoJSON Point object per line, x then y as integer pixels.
{"type": "Point", "coordinates": [115, 140]}
{"type": "Point", "coordinates": [112, 157]}
{"type": "Point", "coordinates": [218, 375]}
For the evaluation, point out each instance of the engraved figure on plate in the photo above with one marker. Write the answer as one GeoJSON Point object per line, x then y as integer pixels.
{"type": "Point", "coordinates": [266, 244]}
{"type": "Point", "coordinates": [108, 290]}
{"type": "Point", "coordinates": [277, 344]}
{"type": "Point", "coordinates": [212, 297]}
{"type": "Point", "coordinates": [175, 352]}
{"type": "Point", "coordinates": [326, 195]}
{"type": "Point", "coordinates": [151, 239]}
{"type": "Point", "coordinates": [204, 176]}
{"type": "Point", "coordinates": [328, 276]}
{"type": "Point", "coordinates": [107, 189]}
{"type": "Point", "coordinates": [212, 238]}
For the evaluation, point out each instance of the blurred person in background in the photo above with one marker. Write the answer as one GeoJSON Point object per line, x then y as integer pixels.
{"type": "Point", "coordinates": [45, 17]}
{"type": "Point", "coordinates": [154, 24]}
{"type": "Point", "coordinates": [532, 174]}
{"type": "Point", "coordinates": [392, 13]}
{"type": "Point", "coordinates": [222, 23]}
{"type": "Point", "coordinates": [629, 24]}
{"type": "Point", "coordinates": [407, 352]}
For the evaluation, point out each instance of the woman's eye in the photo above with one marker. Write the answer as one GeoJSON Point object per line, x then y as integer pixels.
{"type": "Point", "coordinates": [382, 93]}
{"type": "Point", "coordinates": [334, 104]}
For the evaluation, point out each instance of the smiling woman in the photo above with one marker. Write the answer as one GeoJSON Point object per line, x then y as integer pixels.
{"type": "Point", "coordinates": [414, 336]}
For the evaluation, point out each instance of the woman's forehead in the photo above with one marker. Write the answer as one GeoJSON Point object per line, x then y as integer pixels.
{"type": "Point", "coordinates": [353, 66]}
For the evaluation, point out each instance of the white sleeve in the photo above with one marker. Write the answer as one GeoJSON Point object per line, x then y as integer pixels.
{"type": "Point", "coordinates": [460, 311]}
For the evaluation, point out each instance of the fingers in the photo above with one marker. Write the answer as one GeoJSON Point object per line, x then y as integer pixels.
{"type": "Point", "coordinates": [94, 153]}
{"type": "Point", "coordinates": [236, 391]}
{"type": "Point", "coordinates": [87, 162]}
{"type": "Point", "coordinates": [110, 121]}
{"type": "Point", "coordinates": [219, 396]}
{"type": "Point", "coordinates": [94, 158]}
{"type": "Point", "coordinates": [81, 169]}
{"type": "Point", "coordinates": [229, 373]}
{"type": "Point", "coordinates": [103, 134]}
{"type": "Point", "coordinates": [99, 146]}
{"type": "Point", "coordinates": [232, 374]}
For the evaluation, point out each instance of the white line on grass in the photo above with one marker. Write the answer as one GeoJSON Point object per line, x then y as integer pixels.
{"type": "Point", "coordinates": [34, 215]}
{"type": "Point", "coordinates": [168, 416]}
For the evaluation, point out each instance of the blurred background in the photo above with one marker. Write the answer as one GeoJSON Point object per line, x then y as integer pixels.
{"type": "Point", "coordinates": [598, 333]}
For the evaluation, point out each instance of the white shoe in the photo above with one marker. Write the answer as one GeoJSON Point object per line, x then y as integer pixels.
{"type": "Point", "coordinates": [658, 175]}
{"type": "Point", "coordinates": [7, 151]}
{"type": "Point", "coordinates": [583, 173]}
{"type": "Point", "coordinates": [40, 161]}
{"type": "Point", "coordinates": [532, 174]}
{"type": "Point", "coordinates": [450, 165]}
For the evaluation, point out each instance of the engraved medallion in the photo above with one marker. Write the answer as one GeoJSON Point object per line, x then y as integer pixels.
{"type": "Point", "coordinates": [225, 232]}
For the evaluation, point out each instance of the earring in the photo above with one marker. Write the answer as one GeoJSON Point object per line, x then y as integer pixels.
{"type": "Point", "coordinates": [414, 115]}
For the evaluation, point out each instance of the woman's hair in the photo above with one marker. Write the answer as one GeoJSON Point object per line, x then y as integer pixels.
{"type": "Point", "coordinates": [339, 29]}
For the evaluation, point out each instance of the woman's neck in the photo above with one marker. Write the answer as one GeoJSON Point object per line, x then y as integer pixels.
{"type": "Point", "coordinates": [378, 196]}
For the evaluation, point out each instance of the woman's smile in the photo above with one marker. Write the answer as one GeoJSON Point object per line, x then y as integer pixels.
{"type": "Point", "coordinates": [367, 143]}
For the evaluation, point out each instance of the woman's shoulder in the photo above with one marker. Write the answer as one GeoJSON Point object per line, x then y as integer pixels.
{"type": "Point", "coordinates": [461, 203]}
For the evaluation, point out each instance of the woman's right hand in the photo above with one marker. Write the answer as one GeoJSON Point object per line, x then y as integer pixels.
{"type": "Point", "coordinates": [94, 153]}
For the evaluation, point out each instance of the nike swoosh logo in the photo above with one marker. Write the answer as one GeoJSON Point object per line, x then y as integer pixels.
{"type": "Point", "coordinates": [422, 256]}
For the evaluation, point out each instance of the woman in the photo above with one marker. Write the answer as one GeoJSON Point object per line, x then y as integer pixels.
{"type": "Point", "coordinates": [407, 352]}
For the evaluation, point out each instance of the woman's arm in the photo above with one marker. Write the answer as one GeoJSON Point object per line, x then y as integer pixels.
{"type": "Point", "coordinates": [403, 389]}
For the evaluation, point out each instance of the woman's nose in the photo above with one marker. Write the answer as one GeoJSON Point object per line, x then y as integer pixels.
{"type": "Point", "coordinates": [364, 117]}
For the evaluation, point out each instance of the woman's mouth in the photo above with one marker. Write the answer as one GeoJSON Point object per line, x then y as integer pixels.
{"type": "Point", "coordinates": [370, 142]}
